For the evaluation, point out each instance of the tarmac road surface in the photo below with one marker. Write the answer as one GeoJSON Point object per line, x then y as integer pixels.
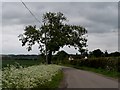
{"type": "Point", "coordinates": [75, 78]}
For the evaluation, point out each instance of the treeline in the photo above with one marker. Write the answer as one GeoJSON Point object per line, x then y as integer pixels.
{"type": "Point", "coordinates": [20, 57]}
{"type": "Point", "coordinates": [99, 53]}
{"type": "Point", "coordinates": [61, 55]}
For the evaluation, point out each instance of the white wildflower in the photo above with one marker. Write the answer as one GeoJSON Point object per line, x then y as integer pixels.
{"type": "Point", "coordinates": [28, 77]}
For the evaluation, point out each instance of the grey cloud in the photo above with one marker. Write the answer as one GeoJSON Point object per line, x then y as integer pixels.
{"type": "Point", "coordinates": [100, 19]}
{"type": "Point", "coordinates": [101, 13]}
{"type": "Point", "coordinates": [11, 45]}
{"type": "Point", "coordinates": [106, 41]}
{"type": "Point", "coordinates": [17, 14]}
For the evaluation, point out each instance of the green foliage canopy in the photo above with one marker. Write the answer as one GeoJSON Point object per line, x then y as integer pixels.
{"type": "Point", "coordinates": [58, 34]}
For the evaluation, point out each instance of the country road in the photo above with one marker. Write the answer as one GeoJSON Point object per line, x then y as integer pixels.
{"type": "Point", "coordinates": [75, 78]}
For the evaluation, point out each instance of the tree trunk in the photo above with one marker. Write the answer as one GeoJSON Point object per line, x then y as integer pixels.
{"type": "Point", "coordinates": [49, 57]}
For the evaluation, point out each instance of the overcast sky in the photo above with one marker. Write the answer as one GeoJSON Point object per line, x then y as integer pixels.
{"type": "Point", "coordinates": [99, 18]}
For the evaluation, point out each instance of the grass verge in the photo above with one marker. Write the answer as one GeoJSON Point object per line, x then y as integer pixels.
{"type": "Point", "coordinates": [113, 74]}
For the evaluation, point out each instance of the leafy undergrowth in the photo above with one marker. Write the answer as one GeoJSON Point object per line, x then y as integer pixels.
{"type": "Point", "coordinates": [38, 76]}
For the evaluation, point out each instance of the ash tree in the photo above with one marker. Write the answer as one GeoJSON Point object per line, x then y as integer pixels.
{"type": "Point", "coordinates": [58, 34]}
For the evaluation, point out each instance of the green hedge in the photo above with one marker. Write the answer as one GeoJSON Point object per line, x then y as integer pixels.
{"type": "Point", "coordinates": [108, 63]}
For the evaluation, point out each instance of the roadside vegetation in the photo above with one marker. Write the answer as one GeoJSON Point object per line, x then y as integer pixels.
{"type": "Point", "coordinates": [37, 76]}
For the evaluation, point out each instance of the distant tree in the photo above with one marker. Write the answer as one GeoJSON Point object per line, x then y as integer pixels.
{"type": "Point", "coordinates": [61, 55]}
{"type": "Point", "coordinates": [114, 54]}
{"type": "Point", "coordinates": [106, 53]}
{"type": "Point", "coordinates": [57, 32]}
{"type": "Point", "coordinates": [97, 53]}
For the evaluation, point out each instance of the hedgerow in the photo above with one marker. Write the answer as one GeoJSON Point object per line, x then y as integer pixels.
{"type": "Point", "coordinates": [108, 63]}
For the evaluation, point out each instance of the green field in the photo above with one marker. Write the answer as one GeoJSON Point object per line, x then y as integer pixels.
{"type": "Point", "coordinates": [24, 63]}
